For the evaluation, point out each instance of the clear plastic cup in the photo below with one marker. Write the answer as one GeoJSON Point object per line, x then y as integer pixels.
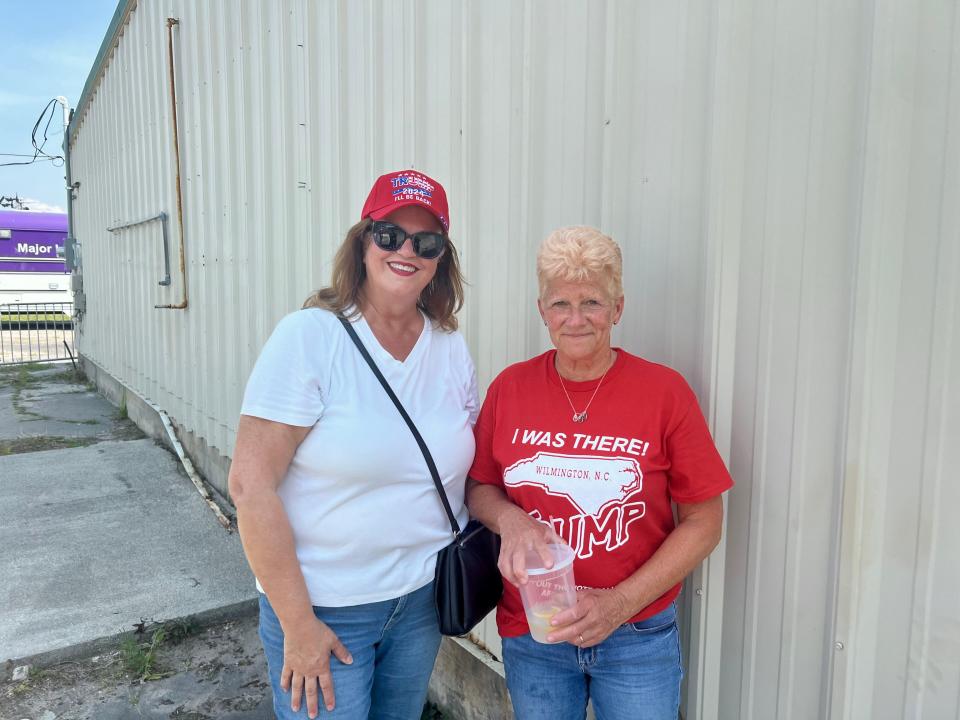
{"type": "Point", "coordinates": [548, 591]}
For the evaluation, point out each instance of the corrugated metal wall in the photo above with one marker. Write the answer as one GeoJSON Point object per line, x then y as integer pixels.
{"type": "Point", "coordinates": [899, 599]}
{"type": "Point", "coordinates": [788, 146]}
{"type": "Point", "coordinates": [783, 180]}
{"type": "Point", "coordinates": [835, 137]}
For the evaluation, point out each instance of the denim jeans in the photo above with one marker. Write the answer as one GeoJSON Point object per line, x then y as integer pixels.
{"type": "Point", "coordinates": [394, 645]}
{"type": "Point", "coordinates": [634, 674]}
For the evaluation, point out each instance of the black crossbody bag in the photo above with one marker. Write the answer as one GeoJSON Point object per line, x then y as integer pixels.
{"type": "Point", "coordinates": [467, 583]}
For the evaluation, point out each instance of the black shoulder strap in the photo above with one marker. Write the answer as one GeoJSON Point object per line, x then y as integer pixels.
{"type": "Point", "coordinates": [413, 428]}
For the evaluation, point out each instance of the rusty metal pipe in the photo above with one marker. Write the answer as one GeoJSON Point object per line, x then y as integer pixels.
{"type": "Point", "coordinates": [176, 151]}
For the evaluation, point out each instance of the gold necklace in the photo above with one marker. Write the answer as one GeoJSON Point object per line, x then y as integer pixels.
{"type": "Point", "coordinates": [579, 417]}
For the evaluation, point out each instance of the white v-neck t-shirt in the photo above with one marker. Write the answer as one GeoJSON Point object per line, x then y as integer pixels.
{"type": "Point", "coordinates": [367, 519]}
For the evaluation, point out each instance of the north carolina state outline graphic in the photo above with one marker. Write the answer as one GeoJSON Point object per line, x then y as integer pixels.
{"type": "Point", "coordinates": [589, 482]}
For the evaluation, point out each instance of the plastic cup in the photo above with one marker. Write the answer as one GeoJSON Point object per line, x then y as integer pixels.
{"type": "Point", "coordinates": [548, 591]}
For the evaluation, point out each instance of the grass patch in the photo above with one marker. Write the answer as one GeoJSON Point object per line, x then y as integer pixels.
{"type": "Point", "coordinates": [176, 631]}
{"type": "Point", "coordinates": [20, 377]}
{"type": "Point", "coordinates": [18, 320]}
{"type": "Point", "coordinates": [68, 377]}
{"type": "Point", "coordinates": [37, 443]}
{"type": "Point", "coordinates": [20, 688]}
{"type": "Point", "coordinates": [29, 367]}
{"type": "Point", "coordinates": [26, 377]}
{"type": "Point", "coordinates": [122, 410]}
{"type": "Point", "coordinates": [34, 677]}
{"type": "Point", "coordinates": [140, 658]}
{"type": "Point", "coordinates": [23, 412]}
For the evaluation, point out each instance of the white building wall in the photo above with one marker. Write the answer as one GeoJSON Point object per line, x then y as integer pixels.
{"type": "Point", "coordinates": [787, 126]}
{"type": "Point", "coordinates": [837, 241]}
{"type": "Point", "coordinates": [899, 616]}
{"type": "Point", "coordinates": [782, 178]}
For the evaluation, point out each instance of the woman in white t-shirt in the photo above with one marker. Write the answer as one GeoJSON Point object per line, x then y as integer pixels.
{"type": "Point", "coordinates": [337, 512]}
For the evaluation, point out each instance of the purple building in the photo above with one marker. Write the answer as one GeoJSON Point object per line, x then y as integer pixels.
{"type": "Point", "coordinates": [32, 268]}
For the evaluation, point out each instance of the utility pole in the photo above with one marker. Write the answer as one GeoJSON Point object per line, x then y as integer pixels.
{"type": "Point", "coordinates": [70, 246]}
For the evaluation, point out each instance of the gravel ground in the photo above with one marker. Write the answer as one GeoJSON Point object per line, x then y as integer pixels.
{"type": "Point", "coordinates": [213, 673]}
{"type": "Point", "coordinates": [195, 674]}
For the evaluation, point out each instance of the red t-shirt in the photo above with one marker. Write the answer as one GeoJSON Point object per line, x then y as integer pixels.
{"type": "Point", "coordinates": [605, 484]}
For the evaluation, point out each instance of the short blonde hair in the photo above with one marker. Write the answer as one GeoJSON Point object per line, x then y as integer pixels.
{"type": "Point", "coordinates": [577, 253]}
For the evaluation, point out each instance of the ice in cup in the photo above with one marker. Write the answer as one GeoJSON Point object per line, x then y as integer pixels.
{"type": "Point", "coordinates": [548, 591]}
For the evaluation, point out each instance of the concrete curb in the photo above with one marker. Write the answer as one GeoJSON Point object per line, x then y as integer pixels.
{"type": "Point", "coordinates": [468, 682]}
{"type": "Point", "coordinates": [236, 611]}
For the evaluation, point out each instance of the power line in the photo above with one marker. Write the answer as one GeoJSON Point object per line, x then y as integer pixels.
{"type": "Point", "coordinates": [39, 155]}
{"type": "Point", "coordinates": [34, 158]}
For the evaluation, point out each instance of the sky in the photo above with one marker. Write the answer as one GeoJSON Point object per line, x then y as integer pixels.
{"type": "Point", "coordinates": [47, 48]}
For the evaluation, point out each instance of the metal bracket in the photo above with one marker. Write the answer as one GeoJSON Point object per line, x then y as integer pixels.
{"type": "Point", "coordinates": [162, 217]}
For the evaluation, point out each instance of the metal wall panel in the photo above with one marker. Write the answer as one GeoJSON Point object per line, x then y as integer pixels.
{"type": "Point", "coordinates": [793, 117]}
{"type": "Point", "coordinates": [781, 176]}
{"type": "Point", "coordinates": [899, 617]}
{"type": "Point", "coordinates": [835, 262]}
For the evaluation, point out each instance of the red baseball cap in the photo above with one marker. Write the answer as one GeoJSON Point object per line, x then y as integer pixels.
{"type": "Point", "coordinates": [406, 187]}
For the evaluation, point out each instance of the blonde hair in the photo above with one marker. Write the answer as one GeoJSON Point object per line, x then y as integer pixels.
{"type": "Point", "coordinates": [577, 253]}
{"type": "Point", "coordinates": [439, 301]}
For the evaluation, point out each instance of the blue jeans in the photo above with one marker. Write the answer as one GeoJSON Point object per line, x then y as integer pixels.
{"type": "Point", "coordinates": [632, 675]}
{"type": "Point", "coordinates": [394, 644]}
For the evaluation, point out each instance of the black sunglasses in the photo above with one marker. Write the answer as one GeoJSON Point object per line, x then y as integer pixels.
{"type": "Point", "coordinates": [427, 245]}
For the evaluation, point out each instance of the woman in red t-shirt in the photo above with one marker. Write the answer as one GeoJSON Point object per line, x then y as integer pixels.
{"type": "Point", "coordinates": [593, 446]}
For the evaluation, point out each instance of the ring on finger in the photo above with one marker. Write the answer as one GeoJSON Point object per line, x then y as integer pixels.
{"type": "Point", "coordinates": [580, 638]}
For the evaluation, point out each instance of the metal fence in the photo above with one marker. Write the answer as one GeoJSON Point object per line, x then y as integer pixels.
{"type": "Point", "coordinates": [36, 332]}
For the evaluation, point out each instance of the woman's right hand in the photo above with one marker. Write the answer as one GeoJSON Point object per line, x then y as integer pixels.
{"type": "Point", "coordinates": [520, 533]}
{"type": "Point", "coordinates": [306, 664]}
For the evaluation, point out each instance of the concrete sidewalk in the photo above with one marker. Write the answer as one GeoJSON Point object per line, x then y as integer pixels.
{"type": "Point", "coordinates": [101, 533]}
{"type": "Point", "coordinates": [96, 539]}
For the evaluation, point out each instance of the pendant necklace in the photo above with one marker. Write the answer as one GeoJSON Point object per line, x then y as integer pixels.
{"type": "Point", "coordinates": [579, 417]}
